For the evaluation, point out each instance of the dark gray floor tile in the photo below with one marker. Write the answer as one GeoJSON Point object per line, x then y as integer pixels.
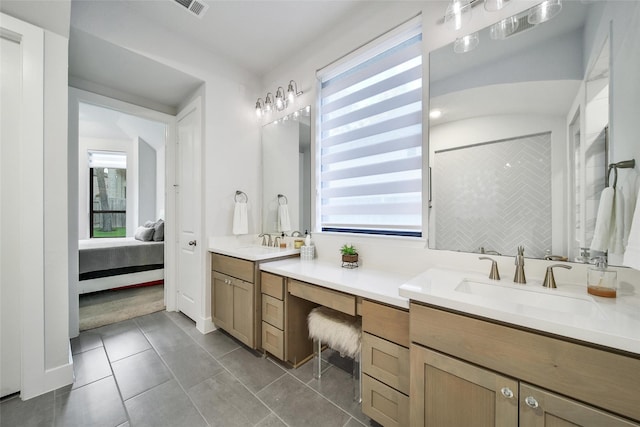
{"type": "Point", "coordinates": [191, 365]}
{"type": "Point", "coordinates": [154, 321]}
{"type": "Point", "coordinates": [125, 344]}
{"type": "Point", "coordinates": [337, 386]}
{"type": "Point", "coordinates": [164, 405]}
{"type": "Point", "coordinates": [124, 424]}
{"type": "Point", "coordinates": [217, 343]}
{"type": "Point", "coordinates": [140, 372]}
{"type": "Point", "coordinates": [181, 319]}
{"type": "Point", "coordinates": [169, 338]}
{"type": "Point", "coordinates": [33, 412]}
{"type": "Point", "coordinates": [253, 370]}
{"type": "Point", "coordinates": [96, 404]}
{"type": "Point", "coordinates": [224, 401]}
{"type": "Point", "coordinates": [305, 372]}
{"type": "Point", "coordinates": [299, 405]}
{"type": "Point", "coordinates": [354, 423]}
{"type": "Point", "coordinates": [85, 341]}
{"type": "Point", "coordinates": [90, 366]}
{"type": "Point", "coordinates": [271, 421]}
{"type": "Point", "coordinates": [115, 328]}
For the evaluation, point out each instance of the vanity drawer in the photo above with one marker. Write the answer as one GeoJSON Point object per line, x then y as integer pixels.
{"type": "Point", "coordinates": [240, 268]}
{"type": "Point", "coordinates": [385, 405]}
{"type": "Point", "coordinates": [329, 298]}
{"type": "Point", "coordinates": [386, 322]}
{"type": "Point", "coordinates": [592, 375]}
{"type": "Point", "coordinates": [272, 285]}
{"type": "Point", "coordinates": [273, 340]}
{"type": "Point", "coordinates": [273, 311]}
{"type": "Point", "coordinates": [386, 362]}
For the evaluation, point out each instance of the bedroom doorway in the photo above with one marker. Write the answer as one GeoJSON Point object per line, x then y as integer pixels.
{"type": "Point", "coordinates": [121, 206]}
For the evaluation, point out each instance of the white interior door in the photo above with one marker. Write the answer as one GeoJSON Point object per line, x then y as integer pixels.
{"type": "Point", "coordinates": [188, 201]}
{"type": "Point", "coordinates": [10, 99]}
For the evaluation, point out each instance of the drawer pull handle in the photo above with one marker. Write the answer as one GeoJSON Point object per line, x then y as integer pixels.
{"type": "Point", "coordinates": [531, 402]}
{"type": "Point", "coordinates": [506, 392]}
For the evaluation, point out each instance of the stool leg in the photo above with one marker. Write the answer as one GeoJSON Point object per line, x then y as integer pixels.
{"type": "Point", "coordinates": [357, 379]}
{"type": "Point", "coordinates": [317, 359]}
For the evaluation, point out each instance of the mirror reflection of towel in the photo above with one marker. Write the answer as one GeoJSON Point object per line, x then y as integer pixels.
{"type": "Point", "coordinates": [240, 219]}
{"type": "Point", "coordinates": [632, 254]}
{"type": "Point", "coordinates": [284, 223]}
{"type": "Point", "coordinates": [602, 235]}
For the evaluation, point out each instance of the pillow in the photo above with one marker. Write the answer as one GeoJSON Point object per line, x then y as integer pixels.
{"type": "Point", "coordinates": [149, 224]}
{"type": "Point", "coordinates": [144, 234]}
{"type": "Point", "coordinates": [158, 234]}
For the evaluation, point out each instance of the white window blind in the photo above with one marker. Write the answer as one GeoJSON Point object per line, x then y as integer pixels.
{"type": "Point", "coordinates": [107, 159]}
{"type": "Point", "coordinates": [371, 138]}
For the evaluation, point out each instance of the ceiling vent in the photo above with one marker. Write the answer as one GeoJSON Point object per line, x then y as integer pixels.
{"type": "Point", "coordinates": [195, 7]}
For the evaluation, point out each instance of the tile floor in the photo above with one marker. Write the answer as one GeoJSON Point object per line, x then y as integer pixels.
{"type": "Point", "coordinates": [158, 370]}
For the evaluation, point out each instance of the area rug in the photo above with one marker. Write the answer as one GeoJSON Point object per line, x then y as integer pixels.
{"type": "Point", "coordinates": [107, 307]}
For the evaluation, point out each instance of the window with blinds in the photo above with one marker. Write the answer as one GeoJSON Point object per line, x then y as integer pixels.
{"type": "Point", "coordinates": [371, 138]}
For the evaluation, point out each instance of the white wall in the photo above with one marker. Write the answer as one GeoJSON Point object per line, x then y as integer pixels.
{"type": "Point", "coordinates": [147, 182]}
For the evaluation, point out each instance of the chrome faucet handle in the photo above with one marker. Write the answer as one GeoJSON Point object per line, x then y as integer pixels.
{"type": "Point", "coordinates": [549, 280]}
{"type": "Point", "coordinates": [494, 274]}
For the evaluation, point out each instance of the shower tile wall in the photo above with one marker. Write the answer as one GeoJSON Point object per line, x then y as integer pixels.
{"type": "Point", "coordinates": [496, 196]}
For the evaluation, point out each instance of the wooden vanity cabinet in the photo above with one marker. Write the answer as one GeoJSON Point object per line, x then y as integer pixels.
{"type": "Point", "coordinates": [470, 371]}
{"type": "Point", "coordinates": [273, 314]}
{"type": "Point", "coordinates": [234, 302]}
{"type": "Point", "coordinates": [385, 364]}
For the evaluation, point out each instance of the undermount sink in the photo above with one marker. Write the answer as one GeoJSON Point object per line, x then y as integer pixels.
{"type": "Point", "coordinates": [529, 299]}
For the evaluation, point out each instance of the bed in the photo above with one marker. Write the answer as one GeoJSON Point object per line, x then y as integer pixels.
{"type": "Point", "coordinates": [109, 263]}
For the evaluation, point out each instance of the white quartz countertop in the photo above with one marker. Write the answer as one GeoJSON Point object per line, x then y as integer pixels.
{"type": "Point", "coordinates": [253, 252]}
{"type": "Point", "coordinates": [377, 285]}
{"type": "Point", "coordinates": [567, 311]}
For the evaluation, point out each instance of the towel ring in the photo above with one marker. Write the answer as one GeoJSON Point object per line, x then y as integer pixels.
{"type": "Point", "coordinates": [625, 164]}
{"type": "Point", "coordinates": [282, 196]}
{"type": "Point", "coordinates": [240, 194]}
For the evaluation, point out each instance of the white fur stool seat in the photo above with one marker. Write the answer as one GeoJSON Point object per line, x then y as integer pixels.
{"type": "Point", "coordinates": [340, 332]}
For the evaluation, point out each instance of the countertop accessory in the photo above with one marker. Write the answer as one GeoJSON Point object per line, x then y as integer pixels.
{"type": "Point", "coordinates": [601, 281]}
{"type": "Point", "coordinates": [519, 275]}
{"type": "Point", "coordinates": [549, 280]}
{"type": "Point", "coordinates": [494, 274]}
{"type": "Point", "coordinates": [349, 256]}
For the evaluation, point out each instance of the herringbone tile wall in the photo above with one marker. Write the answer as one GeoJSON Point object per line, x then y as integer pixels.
{"type": "Point", "coordinates": [495, 195]}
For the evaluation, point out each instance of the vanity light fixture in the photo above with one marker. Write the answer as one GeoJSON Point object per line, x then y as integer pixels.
{"type": "Point", "coordinates": [268, 103]}
{"type": "Point", "coordinates": [292, 91]}
{"type": "Point", "coordinates": [544, 11]}
{"type": "Point", "coordinates": [503, 29]}
{"type": "Point", "coordinates": [466, 43]}
{"type": "Point", "coordinates": [458, 13]}
{"type": "Point", "coordinates": [280, 101]}
{"type": "Point", "coordinates": [259, 107]}
{"type": "Point", "coordinates": [494, 5]}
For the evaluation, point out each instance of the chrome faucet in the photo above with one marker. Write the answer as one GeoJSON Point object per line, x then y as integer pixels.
{"type": "Point", "coordinates": [296, 234]}
{"type": "Point", "coordinates": [519, 275]}
{"type": "Point", "coordinates": [494, 274]}
{"type": "Point", "coordinates": [275, 241]}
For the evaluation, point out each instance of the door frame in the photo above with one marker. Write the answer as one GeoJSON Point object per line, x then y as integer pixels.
{"type": "Point", "coordinates": [77, 96]}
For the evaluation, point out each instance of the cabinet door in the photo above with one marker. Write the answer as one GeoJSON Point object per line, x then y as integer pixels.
{"type": "Point", "coordinates": [243, 312]}
{"type": "Point", "coordinates": [448, 392]}
{"type": "Point", "coordinates": [540, 408]}
{"type": "Point", "coordinates": [222, 304]}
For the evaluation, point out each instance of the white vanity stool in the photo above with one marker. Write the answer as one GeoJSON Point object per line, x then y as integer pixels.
{"type": "Point", "coordinates": [340, 332]}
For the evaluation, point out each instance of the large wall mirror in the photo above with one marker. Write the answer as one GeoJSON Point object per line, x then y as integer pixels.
{"type": "Point", "coordinates": [529, 124]}
{"type": "Point", "coordinates": [286, 173]}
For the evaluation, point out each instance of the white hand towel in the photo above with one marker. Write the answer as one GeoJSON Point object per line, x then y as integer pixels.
{"type": "Point", "coordinates": [602, 233]}
{"type": "Point", "coordinates": [629, 191]}
{"type": "Point", "coordinates": [240, 219]}
{"type": "Point", "coordinates": [284, 223]}
{"type": "Point", "coordinates": [617, 224]}
{"type": "Point", "coordinates": [632, 254]}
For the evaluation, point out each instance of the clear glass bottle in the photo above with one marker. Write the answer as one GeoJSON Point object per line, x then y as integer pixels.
{"type": "Point", "coordinates": [601, 281]}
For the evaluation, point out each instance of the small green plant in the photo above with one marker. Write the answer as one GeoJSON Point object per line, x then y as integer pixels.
{"type": "Point", "coordinates": [348, 250]}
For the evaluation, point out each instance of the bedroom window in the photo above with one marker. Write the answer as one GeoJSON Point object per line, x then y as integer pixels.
{"type": "Point", "coordinates": [370, 137]}
{"type": "Point", "coordinates": [108, 194]}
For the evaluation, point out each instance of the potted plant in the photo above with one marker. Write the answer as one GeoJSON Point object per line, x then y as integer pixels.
{"type": "Point", "coordinates": [349, 253]}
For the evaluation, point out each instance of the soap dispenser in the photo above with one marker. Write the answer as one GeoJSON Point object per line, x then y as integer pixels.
{"type": "Point", "coordinates": [601, 281]}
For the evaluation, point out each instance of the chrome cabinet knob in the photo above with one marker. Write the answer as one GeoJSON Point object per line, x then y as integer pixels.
{"type": "Point", "coordinates": [531, 402]}
{"type": "Point", "coordinates": [506, 392]}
